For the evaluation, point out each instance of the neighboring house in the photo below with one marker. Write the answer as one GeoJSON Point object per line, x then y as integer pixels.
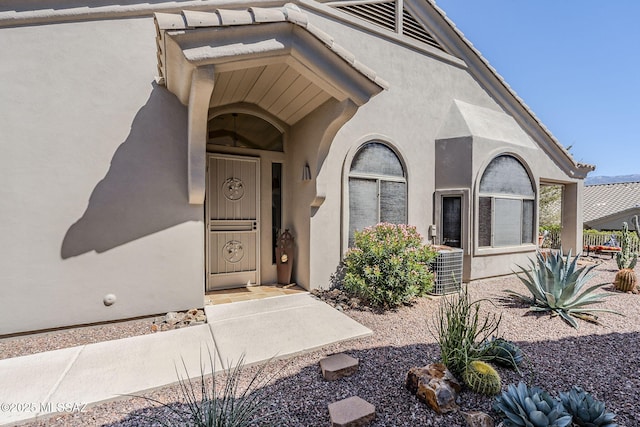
{"type": "Point", "coordinates": [152, 150]}
{"type": "Point", "coordinates": [607, 206]}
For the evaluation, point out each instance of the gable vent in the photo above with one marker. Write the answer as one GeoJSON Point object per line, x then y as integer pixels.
{"type": "Point", "coordinates": [384, 14]}
{"type": "Point", "coordinates": [411, 28]}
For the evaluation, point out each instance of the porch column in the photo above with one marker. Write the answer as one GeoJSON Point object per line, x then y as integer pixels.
{"type": "Point", "coordinates": [572, 206]}
{"type": "Point", "coordinates": [202, 82]}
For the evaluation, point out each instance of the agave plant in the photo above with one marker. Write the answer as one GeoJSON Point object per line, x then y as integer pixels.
{"type": "Point", "coordinates": [586, 411]}
{"type": "Point", "coordinates": [502, 352]}
{"type": "Point", "coordinates": [530, 407]}
{"type": "Point", "coordinates": [556, 283]}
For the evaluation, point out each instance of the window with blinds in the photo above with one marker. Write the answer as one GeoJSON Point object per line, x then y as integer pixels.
{"type": "Point", "coordinates": [506, 204]}
{"type": "Point", "coordinates": [377, 188]}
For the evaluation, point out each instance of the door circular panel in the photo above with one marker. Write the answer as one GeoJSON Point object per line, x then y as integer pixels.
{"type": "Point", "coordinates": [233, 189]}
{"type": "Point", "coordinates": [233, 251]}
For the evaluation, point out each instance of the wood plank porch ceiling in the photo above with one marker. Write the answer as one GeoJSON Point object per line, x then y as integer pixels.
{"type": "Point", "coordinates": [277, 88]}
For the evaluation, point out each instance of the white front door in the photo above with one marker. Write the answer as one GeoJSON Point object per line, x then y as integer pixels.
{"type": "Point", "coordinates": [233, 221]}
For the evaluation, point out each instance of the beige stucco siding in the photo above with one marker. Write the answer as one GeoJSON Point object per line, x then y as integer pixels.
{"type": "Point", "coordinates": [409, 116]}
{"type": "Point", "coordinates": [93, 172]}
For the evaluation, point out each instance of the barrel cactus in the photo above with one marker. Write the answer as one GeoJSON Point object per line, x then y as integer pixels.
{"type": "Point", "coordinates": [626, 280]}
{"type": "Point", "coordinates": [530, 407]}
{"type": "Point", "coordinates": [625, 258]}
{"type": "Point", "coordinates": [586, 411]}
{"type": "Point", "coordinates": [480, 377]}
{"type": "Point", "coordinates": [503, 352]}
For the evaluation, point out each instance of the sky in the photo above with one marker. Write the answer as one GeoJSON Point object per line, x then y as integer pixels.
{"type": "Point", "coordinates": [575, 63]}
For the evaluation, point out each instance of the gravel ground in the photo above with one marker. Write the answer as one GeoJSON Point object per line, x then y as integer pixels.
{"type": "Point", "coordinates": [604, 360]}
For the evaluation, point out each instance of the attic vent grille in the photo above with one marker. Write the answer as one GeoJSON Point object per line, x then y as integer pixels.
{"type": "Point", "coordinates": [381, 14]}
{"type": "Point", "coordinates": [384, 14]}
{"type": "Point", "coordinates": [411, 28]}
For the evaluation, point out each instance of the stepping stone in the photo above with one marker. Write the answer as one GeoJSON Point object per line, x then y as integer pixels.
{"type": "Point", "coordinates": [351, 412]}
{"type": "Point", "coordinates": [338, 366]}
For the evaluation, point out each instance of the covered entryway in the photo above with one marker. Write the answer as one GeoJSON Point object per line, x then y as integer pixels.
{"type": "Point", "coordinates": [271, 63]}
{"type": "Point", "coordinates": [233, 221]}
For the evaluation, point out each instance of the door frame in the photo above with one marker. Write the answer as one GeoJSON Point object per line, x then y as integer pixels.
{"type": "Point", "coordinates": [208, 223]}
{"type": "Point", "coordinates": [465, 215]}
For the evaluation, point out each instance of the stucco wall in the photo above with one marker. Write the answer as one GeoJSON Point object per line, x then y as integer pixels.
{"type": "Point", "coordinates": [409, 116]}
{"type": "Point", "coordinates": [93, 172]}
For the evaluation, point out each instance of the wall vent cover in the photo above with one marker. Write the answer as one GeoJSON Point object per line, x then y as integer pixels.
{"type": "Point", "coordinates": [385, 14]}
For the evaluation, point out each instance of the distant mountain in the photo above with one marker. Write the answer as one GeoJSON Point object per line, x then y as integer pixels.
{"type": "Point", "coordinates": [598, 180]}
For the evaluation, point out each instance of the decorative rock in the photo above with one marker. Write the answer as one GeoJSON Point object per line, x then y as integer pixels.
{"type": "Point", "coordinates": [351, 412]}
{"type": "Point", "coordinates": [171, 318]}
{"type": "Point", "coordinates": [435, 386]}
{"type": "Point", "coordinates": [478, 419]}
{"type": "Point", "coordinates": [176, 320]}
{"type": "Point", "coordinates": [338, 366]}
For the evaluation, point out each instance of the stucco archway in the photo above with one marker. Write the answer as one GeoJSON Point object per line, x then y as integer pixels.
{"type": "Point", "coordinates": [273, 58]}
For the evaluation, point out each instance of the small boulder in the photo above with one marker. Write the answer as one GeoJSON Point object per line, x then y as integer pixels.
{"type": "Point", "coordinates": [435, 386]}
{"type": "Point", "coordinates": [478, 419]}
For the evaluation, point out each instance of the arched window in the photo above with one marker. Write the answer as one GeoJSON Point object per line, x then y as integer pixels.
{"type": "Point", "coordinates": [377, 188]}
{"type": "Point", "coordinates": [506, 204]}
{"type": "Point", "coordinates": [244, 130]}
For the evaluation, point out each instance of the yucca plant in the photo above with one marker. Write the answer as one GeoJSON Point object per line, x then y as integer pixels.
{"type": "Point", "coordinates": [530, 407]}
{"type": "Point", "coordinates": [228, 405]}
{"type": "Point", "coordinates": [586, 411]}
{"type": "Point", "coordinates": [556, 285]}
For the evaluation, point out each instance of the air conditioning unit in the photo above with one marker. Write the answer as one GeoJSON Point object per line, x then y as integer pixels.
{"type": "Point", "coordinates": [447, 268]}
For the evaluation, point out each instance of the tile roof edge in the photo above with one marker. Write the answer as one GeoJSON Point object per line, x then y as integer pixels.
{"type": "Point", "coordinates": [253, 16]}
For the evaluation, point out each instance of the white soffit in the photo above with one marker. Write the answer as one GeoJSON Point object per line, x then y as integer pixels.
{"type": "Point", "coordinates": [273, 58]}
{"type": "Point", "coordinates": [466, 119]}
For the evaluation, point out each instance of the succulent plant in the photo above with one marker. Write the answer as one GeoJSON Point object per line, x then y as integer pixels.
{"type": "Point", "coordinates": [636, 224]}
{"type": "Point", "coordinates": [626, 280]}
{"type": "Point", "coordinates": [625, 258]}
{"type": "Point", "coordinates": [586, 411]}
{"type": "Point", "coordinates": [530, 407]}
{"type": "Point", "coordinates": [480, 377]}
{"type": "Point", "coordinates": [555, 284]}
{"type": "Point", "coordinates": [503, 352]}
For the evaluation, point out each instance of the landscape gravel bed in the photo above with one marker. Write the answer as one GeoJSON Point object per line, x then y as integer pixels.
{"type": "Point", "coordinates": [603, 359]}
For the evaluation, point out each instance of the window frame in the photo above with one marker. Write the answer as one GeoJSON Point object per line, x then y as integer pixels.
{"type": "Point", "coordinates": [492, 196]}
{"type": "Point", "coordinates": [378, 178]}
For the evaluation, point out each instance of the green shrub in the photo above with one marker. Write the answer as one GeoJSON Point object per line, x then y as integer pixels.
{"type": "Point", "coordinates": [462, 332]}
{"type": "Point", "coordinates": [388, 266]}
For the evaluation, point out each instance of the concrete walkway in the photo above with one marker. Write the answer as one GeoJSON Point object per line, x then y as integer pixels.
{"type": "Point", "coordinates": [68, 379]}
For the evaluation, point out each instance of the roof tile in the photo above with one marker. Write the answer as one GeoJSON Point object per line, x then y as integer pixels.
{"type": "Point", "coordinates": [607, 199]}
